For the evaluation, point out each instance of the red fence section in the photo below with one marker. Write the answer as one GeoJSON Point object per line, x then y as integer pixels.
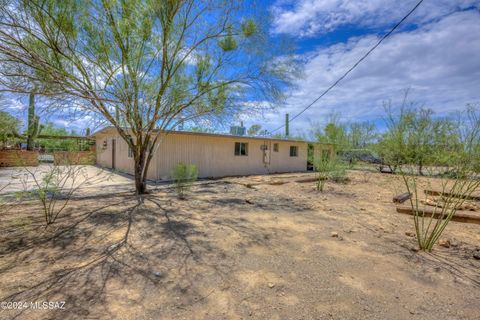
{"type": "Point", "coordinates": [18, 158]}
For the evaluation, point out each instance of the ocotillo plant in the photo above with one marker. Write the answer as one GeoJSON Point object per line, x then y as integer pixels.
{"type": "Point", "coordinates": [454, 189]}
{"type": "Point", "coordinates": [34, 127]}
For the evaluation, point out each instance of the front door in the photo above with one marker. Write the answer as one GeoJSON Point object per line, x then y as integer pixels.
{"type": "Point", "coordinates": [266, 154]}
{"type": "Point", "coordinates": [113, 153]}
{"type": "Point", "coordinates": [310, 157]}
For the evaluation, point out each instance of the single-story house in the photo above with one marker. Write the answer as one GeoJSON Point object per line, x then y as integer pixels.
{"type": "Point", "coordinates": [215, 155]}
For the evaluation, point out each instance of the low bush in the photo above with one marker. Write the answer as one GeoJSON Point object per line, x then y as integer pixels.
{"type": "Point", "coordinates": [183, 176]}
{"type": "Point", "coordinates": [329, 168]}
{"type": "Point", "coordinates": [53, 186]}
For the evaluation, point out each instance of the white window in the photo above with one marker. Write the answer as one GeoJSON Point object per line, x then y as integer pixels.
{"type": "Point", "coordinates": [241, 149]}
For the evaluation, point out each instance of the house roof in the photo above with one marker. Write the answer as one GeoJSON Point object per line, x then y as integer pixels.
{"type": "Point", "coordinates": [110, 128]}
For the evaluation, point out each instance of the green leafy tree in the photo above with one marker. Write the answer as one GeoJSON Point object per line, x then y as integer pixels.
{"type": "Point", "coordinates": [201, 129]}
{"type": "Point", "coordinates": [361, 135]}
{"type": "Point", "coordinates": [254, 129]}
{"type": "Point", "coordinates": [334, 133]}
{"type": "Point", "coordinates": [414, 137]}
{"type": "Point", "coordinates": [141, 65]}
{"type": "Point", "coordinates": [49, 129]}
{"type": "Point", "coordinates": [352, 141]}
{"type": "Point", "coordinates": [8, 126]}
{"type": "Point", "coordinates": [467, 127]}
{"type": "Point", "coordinates": [355, 135]}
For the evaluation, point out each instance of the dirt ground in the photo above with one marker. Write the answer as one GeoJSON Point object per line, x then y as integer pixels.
{"type": "Point", "coordinates": [238, 248]}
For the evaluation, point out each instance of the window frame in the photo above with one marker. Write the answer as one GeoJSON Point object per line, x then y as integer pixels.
{"type": "Point", "coordinates": [129, 150]}
{"type": "Point", "coordinates": [293, 154]}
{"type": "Point", "coordinates": [276, 147]}
{"type": "Point", "coordinates": [239, 149]}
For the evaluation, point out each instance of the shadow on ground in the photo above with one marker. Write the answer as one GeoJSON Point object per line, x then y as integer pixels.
{"type": "Point", "coordinates": [133, 255]}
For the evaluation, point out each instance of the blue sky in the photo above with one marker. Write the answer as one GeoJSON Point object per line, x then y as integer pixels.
{"type": "Point", "coordinates": [435, 54]}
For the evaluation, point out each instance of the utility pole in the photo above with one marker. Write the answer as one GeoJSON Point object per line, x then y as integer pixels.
{"type": "Point", "coordinates": [287, 129]}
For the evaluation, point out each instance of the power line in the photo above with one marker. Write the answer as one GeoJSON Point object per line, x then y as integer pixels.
{"type": "Point", "coordinates": [355, 65]}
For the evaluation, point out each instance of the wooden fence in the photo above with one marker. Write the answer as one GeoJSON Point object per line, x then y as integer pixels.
{"type": "Point", "coordinates": [18, 158]}
{"type": "Point", "coordinates": [74, 157]}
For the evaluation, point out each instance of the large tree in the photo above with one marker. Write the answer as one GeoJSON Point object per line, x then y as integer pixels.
{"type": "Point", "coordinates": [143, 65]}
{"type": "Point", "coordinates": [415, 137]}
{"type": "Point", "coordinates": [8, 126]}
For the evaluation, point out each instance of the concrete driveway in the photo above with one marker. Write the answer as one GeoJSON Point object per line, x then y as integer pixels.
{"type": "Point", "coordinates": [88, 179]}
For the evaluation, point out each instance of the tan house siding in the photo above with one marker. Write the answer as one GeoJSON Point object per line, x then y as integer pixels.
{"type": "Point", "coordinates": [214, 155]}
{"type": "Point", "coordinates": [122, 162]}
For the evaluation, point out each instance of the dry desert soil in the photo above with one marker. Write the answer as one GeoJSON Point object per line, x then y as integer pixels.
{"type": "Point", "coordinates": [262, 247]}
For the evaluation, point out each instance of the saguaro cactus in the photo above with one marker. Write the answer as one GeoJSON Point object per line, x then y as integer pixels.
{"type": "Point", "coordinates": [34, 127]}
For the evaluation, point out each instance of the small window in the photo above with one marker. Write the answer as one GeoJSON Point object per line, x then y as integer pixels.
{"type": "Point", "coordinates": [293, 151]}
{"type": "Point", "coordinates": [275, 147]}
{"type": "Point", "coordinates": [241, 149]}
{"type": "Point", "coordinates": [130, 151]}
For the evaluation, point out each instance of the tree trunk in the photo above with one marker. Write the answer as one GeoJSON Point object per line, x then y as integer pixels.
{"type": "Point", "coordinates": [29, 143]}
{"type": "Point", "coordinates": [140, 174]}
{"type": "Point", "coordinates": [140, 183]}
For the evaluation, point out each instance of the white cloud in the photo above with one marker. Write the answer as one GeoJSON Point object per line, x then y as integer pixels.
{"type": "Point", "coordinates": [316, 17]}
{"type": "Point", "coordinates": [14, 105]}
{"type": "Point", "coordinates": [439, 62]}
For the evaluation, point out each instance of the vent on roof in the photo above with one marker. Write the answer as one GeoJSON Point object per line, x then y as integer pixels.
{"type": "Point", "coordinates": [238, 130]}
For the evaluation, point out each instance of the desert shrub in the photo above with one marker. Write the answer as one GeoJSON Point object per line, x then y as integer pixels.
{"type": "Point", "coordinates": [54, 185]}
{"type": "Point", "coordinates": [329, 168]}
{"type": "Point", "coordinates": [183, 176]}
{"type": "Point", "coordinates": [452, 191]}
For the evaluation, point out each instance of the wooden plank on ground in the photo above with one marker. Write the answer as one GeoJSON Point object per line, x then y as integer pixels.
{"type": "Point", "coordinates": [401, 198]}
{"type": "Point", "coordinates": [305, 180]}
{"type": "Point", "coordinates": [385, 169]}
{"type": "Point", "coordinates": [459, 216]}
{"type": "Point", "coordinates": [448, 194]}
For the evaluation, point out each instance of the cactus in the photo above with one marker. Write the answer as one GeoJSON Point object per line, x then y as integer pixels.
{"type": "Point", "coordinates": [34, 126]}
